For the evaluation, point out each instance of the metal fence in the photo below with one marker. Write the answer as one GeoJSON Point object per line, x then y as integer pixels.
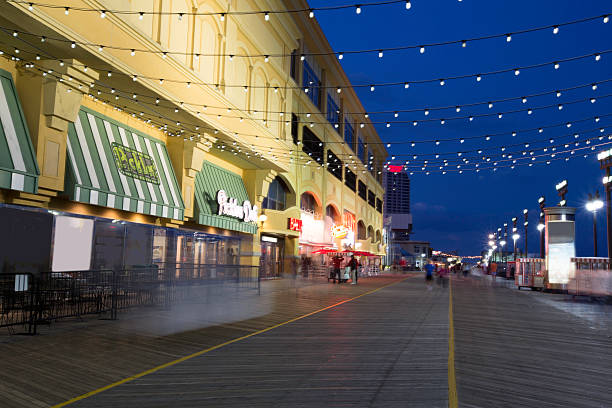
{"type": "Point", "coordinates": [27, 300]}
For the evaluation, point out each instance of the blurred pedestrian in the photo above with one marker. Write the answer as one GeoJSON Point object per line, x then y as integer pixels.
{"type": "Point", "coordinates": [442, 276]}
{"type": "Point", "coordinates": [493, 270]}
{"type": "Point", "coordinates": [430, 268]}
{"type": "Point", "coordinates": [336, 263]}
{"type": "Point", "coordinates": [353, 265]}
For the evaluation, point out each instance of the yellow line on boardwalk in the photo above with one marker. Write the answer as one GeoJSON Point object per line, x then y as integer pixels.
{"type": "Point", "coordinates": [199, 353]}
{"type": "Point", "coordinates": [452, 382]}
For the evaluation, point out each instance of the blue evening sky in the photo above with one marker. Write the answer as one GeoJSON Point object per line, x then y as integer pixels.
{"type": "Point", "coordinates": [456, 211]}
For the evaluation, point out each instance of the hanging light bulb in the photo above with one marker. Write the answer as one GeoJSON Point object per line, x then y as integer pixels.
{"type": "Point", "coordinates": [556, 30]}
{"type": "Point", "coordinates": [508, 38]}
{"type": "Point", "coordinates": [358, 9]}
{"type": "Point", "coordinates": [396, 114]}
{"type": "Point", "coordinates": [478, 78]}
{"type": "Point", "coordinates": [499, 115]}
{"type": "Point", "coordinates": [406, 85]}
{"type": "Point", "coordinates": [67, 10]}
{"type": "Point", "coordinates": [133, 52]}
{"type": "Point", "coordinates": [592, 100]}
{"type": "Point", "coordinates": [606, 19]}
{"type": "Point", "coordinates": [529, 111]}
{"type": "Point", "coordinates": [471, 118]}
{"type": "Point", "coordinates": [442, 82]}
{"type": "Point", "coordinates": [340, 55]}
{"type": "Point", "coordinates": [556, 65]}
{"type": "Point", "coordinates": [338, 90]}
{"type": "Point", "coordinates": [311, 13]}
{"type": "Point", "coordinates": [597, 57]}
{"type": "Point", "coordinates": [371, 88]}
{"type": "Point", "coordinates": [103, 14]}
{"type": "Point", "coordinates": [517, 71]}
{"type": "Point", "coordinates": [490, 105]}
{"type": "Point", "coordinates": [267, 16]}
{"type": "Point", "coordinates": [222, 17]}
{"type": "Point", "coordinates": [266, 58]}
{"type": "Point", "coordinates": [458, 109]}
{"type": "Point", "coordinates": [524, 100]}
{"type": "Point", "coordinates": [408, 5]}
{"type": "Point", "coordinates": [463, 44]}
{"type": "Point", "coordinates": [140, 15]}
{"type": "Point", "coordinates": [422, 49]}
{"type": "Point", "coordinates": [594, 87]}
{"type": "Point", "coordinates": [426, 112]}
{"type": "Point", "coordinates": [558, 94]}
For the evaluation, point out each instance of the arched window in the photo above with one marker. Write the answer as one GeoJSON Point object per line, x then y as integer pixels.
{"type": "Point", "coordinates": [378, 236]}
{"type": "Point", "coordinates": [309, 203]}
{"type": "Point", "coordinates": [277, 195]}
{"type": "Point", "coordinates": [331, 212]}
{"type": "Point", "coordinates": [361, 230]}
{"type": "Point", "coordinates": [371, 233]}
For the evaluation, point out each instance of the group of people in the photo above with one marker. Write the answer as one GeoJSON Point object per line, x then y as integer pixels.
{"type": "Point", "coordinates": [342, 273]}
{"type": "Point", "coordinates": [440, 271]}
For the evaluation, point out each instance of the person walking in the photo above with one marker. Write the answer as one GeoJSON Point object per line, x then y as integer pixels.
{"type": "Point", "coordinates": [493, 270]}
{"type": "Point", "coordinates": [353, 265]}
{"type": "Point", "coordinates": [336, 263]}
{"type": "Point", "coordinates": [442, 276]}
{"type": "Point", "coordinates": [430, 268]}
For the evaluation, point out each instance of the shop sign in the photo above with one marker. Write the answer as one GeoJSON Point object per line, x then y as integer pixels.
{"type": "Point", "coordinates": [295, 224]}
{"type": "Point", "coordinates": [229, 206]}
{"type": "Point", "coordinates": [339, 231]}
{"type": "Point", "coordinates": [266, 238]}
{"type": "Point", "coordinates": [135, 164]}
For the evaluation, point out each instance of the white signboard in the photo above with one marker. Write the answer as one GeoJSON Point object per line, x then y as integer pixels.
{"type": "Point", "coordinates": [229, 206]}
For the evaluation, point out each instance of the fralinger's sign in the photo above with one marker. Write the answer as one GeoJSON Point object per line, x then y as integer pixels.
{"type": "Point", "coordinates": [229, 206]}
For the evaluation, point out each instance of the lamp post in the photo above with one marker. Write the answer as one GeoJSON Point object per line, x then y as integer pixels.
{"type": "Point", "coordinates": [605, 162]}
{"type": "Point", "coordinates": [541, 226]}
{"type": "Point", "coordinates": [526, 214]}
{"type": "Point", "coordinates": [506, 239]}
{"type": "Point", "coordinates": [562, 191]}
{"type": "Point", "coordinates": [515, 237]}
{"type": "Point", "coordinates": [593, 205]}
{"type": "Point", "coordinates": [513, 234]}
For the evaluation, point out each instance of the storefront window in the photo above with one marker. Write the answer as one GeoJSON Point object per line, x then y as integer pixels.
{"type": "Point", "coordinates": [108, 245]}
{"type": "Point", "coordinates": [138, 244]}
{"type": "Point", "coordinates": [277, 195]}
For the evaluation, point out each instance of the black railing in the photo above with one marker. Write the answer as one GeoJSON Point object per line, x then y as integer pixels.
{"type": "Point", "coordinates": [27, 300]}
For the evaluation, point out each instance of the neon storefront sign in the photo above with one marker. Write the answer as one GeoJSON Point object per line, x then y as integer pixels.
{"type": "Point", "coordinates": [339, 231]}
{"type": "Point", "coordinates": [229, 206]}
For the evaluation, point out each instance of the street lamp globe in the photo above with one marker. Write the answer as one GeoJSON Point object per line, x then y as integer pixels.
{"type": "Point", "coordinates": [491, 243]}
{"type": "Point", "coordinates": [594, 204]}
{"type": "Point", "coordinates": [502, 243]}
{"type": "Point", "coordinates": [540, 227]}
{"type": "Point", "coordinates": [515, 236]}
{"type": "Point", "coordinates": [491, 236]}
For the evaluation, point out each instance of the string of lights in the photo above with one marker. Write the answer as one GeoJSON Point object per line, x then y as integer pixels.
{"type": "Point", "coordinates": [242, 115]}
{"type": "Point", "coordinates": [371, 86]}
{"type": "Point", "coordinates": [364, 171]}
{"type": "Point", "coordinates": [379, 52]}
{"type": "Point", "coordinates": [486, 137]}
{"type": "Point", "coordinates": [457, 107]}
{"type": "Point", "coordinates": [359, 7]}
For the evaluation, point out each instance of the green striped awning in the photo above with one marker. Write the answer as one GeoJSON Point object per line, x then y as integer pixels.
{"type": "Point", "coordinates": [113, 165]}
{"type": "Point", "coordinates": [208, 182]}
{"type": "Point", "coordinates": [18, 166]}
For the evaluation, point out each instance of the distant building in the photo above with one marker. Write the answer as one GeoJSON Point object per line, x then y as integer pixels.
{"type": "Point", "coordinates": [398, 218]}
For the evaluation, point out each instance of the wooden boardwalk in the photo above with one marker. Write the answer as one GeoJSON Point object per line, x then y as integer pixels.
{"type": "Point", "coordinates": [513, 350]}
{"type": "Point", "coordinates": [369, 345]}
